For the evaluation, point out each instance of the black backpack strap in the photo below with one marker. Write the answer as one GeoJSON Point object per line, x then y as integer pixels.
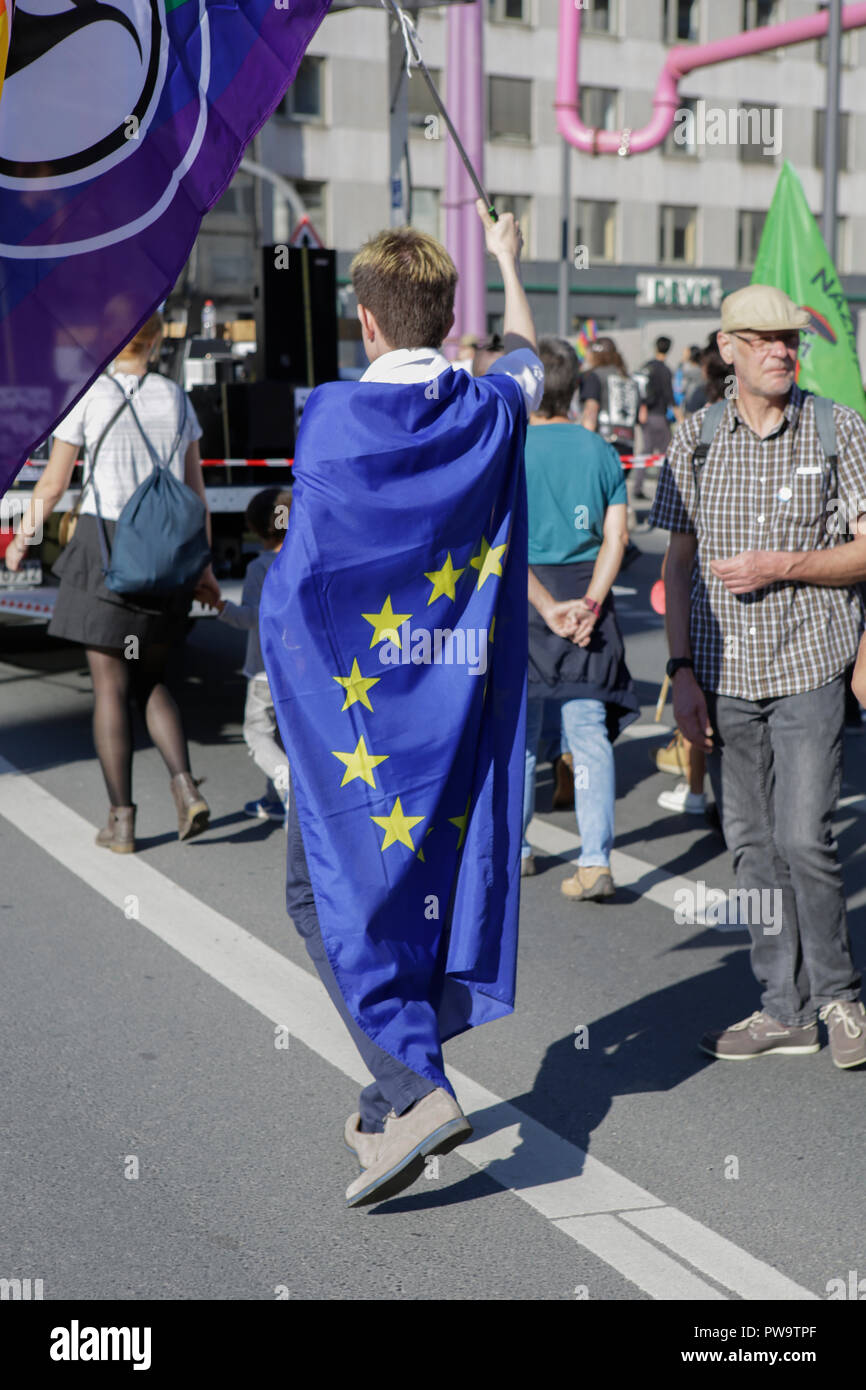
{"type": "Point", "coordinates": [713, 417]}
{"type": "Point", "coordinates": [826, 426]}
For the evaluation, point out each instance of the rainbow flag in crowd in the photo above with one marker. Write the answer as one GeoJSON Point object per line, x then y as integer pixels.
{"type": "Point", "coordinates": [585, 338]}
{"type": "Point", "coordinates": [793, 257]}
{"type": "Point", "coordinates": [121, 124]}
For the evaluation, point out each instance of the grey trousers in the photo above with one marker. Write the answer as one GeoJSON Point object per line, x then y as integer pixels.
{"type": "Point", "coordinates": [780, 764]}
{"type": "Point", "coordinates": [260, 735]}
{"type": "Point", "coordinates": [395, 1086]}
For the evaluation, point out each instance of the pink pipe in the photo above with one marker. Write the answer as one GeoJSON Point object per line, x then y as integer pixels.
{"type": "Point", "coordinates": [680, 61]}
{"type": "Point", "coordinates": [463, 234]}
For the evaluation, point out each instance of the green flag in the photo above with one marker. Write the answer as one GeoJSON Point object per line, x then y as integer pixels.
{"type": "Point", "coordinates": [793, 257]}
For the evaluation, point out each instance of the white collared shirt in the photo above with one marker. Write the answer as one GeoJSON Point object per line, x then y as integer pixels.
{"type": "Point", "coordinates": [409, 366]}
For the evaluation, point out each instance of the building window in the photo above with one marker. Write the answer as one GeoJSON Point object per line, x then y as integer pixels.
{"type": "Point", "coordinates": [599, 107]}
{"type": "Point", "coordinates": [757, 128]}
{"type": "Point", "coordinates": [844, 139]}
{"type": "Point", "coordinates": [508, 11]}
{"type": "Point", "coordinates": [757, 13]}
{"type": "Point", "coordinates": [843, 241]}
{"type": "Point", "coordinates": [422, 106]}
{"type": "Point", "coordinates": [595, 228]}
{"type": "Point", "coordinates": [678, 235]}
{"type": "Point", "coordinates": [427, 212]}
{"type": "Point", "coordinates": [315, 198]}
{"type": "Point", "coordinates": [600, 17]}
{"type": "Point", "coordinates": [849, 50]}
{"type": "Point", "coordinates": [238, 199]}
{"type": "Point", "coordinates": [680, 21]}
{"type": "Point", "coordinates": [304, 100]}
{"type": "Point", "coordinates": [750, 227]}
{"type": "Point", "coordinates": [521, 206]}
{"type": "Point", "coordinates": [685, 128]}
{"type": "Point", "coordinates": [509, 108]}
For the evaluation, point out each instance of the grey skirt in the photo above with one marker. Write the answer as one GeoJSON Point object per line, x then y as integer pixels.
{"type": "Point", "coordinates": [87, 611]}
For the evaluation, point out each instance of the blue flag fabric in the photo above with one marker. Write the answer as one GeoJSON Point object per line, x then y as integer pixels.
{"type": "Point", "coordinates": [394, 634]}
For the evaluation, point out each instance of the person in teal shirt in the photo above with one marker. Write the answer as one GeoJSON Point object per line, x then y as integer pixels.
{"type": "Point", "coordinates": [577, 539]}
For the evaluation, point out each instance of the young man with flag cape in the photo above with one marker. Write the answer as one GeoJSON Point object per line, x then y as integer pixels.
{"type": "Point", "coordinates": [394, 633]}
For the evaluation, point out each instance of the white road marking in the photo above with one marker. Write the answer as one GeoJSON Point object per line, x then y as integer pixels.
{"type": "Point", "coordinates": [577, 1193]}
{"type": "Point", "coordinates": [628, 872]}
{"type": "Point", "coordinates": [646, 730]}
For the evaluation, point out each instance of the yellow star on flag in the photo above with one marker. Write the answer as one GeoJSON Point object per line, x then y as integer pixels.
{"type": "Point", "coordinates": [356, 686]}
{"type": "Point", "coordinates": [360, 763]}
{"type": "Point", "coordinates": [421, 850]}
{"type": "Point", "coordinates": [443, 580]}
{"type": "Point", "coordinates": [487, 561]}
{"type": "Point", "coordinates": [461, 822]}
{"type": "Point", "coordinates": [492, 626]}
{"type": "Point", "coordinates": [386, 624]}
{"type": "Point", "coordinates": [397, 826]}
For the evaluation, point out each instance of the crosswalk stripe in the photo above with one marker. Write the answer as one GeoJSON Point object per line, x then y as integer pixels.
{"type": "Point", "coordinates": [579, 1195]}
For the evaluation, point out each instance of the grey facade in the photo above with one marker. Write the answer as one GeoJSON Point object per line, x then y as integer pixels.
{"type": "Point", "coordinates": [714, 194]}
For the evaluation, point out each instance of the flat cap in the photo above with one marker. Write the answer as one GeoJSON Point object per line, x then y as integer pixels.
{"type": "Point", "coordinates": [763, 309]}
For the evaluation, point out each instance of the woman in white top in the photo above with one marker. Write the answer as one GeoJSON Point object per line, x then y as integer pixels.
{"type": "Point", "coordinates": [127, 638]}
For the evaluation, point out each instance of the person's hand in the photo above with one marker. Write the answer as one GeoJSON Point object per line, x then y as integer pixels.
{"type": "Point", "coordinates": [15, 552]}
{"type": "Point", "coordinates": [751, 570]}
{"type": "Point", "coordinates": [690, 710]}
{"type": "Point", "coordinates": [503, 237]}
{"type": "Point", "coordinates": [584, 624]}
{"type": "Point", "coordinates": [561, 618]}
{"type": "Point", "coordinates": [207, 590]}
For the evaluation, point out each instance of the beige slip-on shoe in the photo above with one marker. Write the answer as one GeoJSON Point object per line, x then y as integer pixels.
{"type": "Point", "coordinates": [364, 1146]}
{"type": "Point", "coordinates": [434, 1125]}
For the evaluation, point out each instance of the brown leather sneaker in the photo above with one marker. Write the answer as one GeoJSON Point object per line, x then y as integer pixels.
{"type": "Point", "coordinates": [193, 812]}
{"type": "Point", "coordinates": [119, 832]}
{"type": "Point", "coordinates": [563, 789]}
{"type": "Point", "coordinates": [434, 1125]}
{"type": "Point", "coordinates": [846, 1030]}
{"type": "Point", "coordinates": [592, 884]}
{"type": "Point", "coordinates": [758, 1035]}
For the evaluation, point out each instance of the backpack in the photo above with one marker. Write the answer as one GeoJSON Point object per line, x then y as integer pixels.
{"type": "Point", "coordinates": [160, 540]}
{"type": "Point", "coordinates": [824, 421]}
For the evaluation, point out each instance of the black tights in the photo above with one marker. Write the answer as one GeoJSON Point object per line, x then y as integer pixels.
{"type": "Point", "coordinates": [115, 680]}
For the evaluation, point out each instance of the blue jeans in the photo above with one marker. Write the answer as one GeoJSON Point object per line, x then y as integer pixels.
{"type": "Point", "coordinates": [584, 734]}
{"type": "Point", "coordinates": [395, 1086]}
{"type": "Point", "coordinates": [781, 770]}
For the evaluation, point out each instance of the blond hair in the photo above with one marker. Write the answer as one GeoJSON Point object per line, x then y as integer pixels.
{"type": "Point", "coordinates": [407, 281]}
{"type": "Point", "coordinates": [145, 337]}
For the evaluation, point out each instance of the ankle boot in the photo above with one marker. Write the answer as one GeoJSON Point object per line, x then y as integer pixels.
{"type": "Point", "coordinates": [193, 812]}
{"type": "Point", "coordinates": [119, 833]}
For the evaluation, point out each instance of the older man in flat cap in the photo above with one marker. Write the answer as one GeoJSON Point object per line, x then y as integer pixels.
{"type": "Point", "coordinates": [763, 618]}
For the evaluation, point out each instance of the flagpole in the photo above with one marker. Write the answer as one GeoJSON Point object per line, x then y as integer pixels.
{"type": "Point", "coordinates": [6, 7]}
{"type": "Point", "coordinates": [831, 133]}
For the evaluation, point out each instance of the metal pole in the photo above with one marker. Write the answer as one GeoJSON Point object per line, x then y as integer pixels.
{"type": "Point", "coordinates": [565, 250]}
{"type": "Point", "coordinates": [398, 121]}
{"type": "Point", "coordinates": [831, 140]}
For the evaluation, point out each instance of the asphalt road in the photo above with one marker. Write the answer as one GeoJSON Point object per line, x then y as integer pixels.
{"type": "Point", "coordinates": [175, 1083]}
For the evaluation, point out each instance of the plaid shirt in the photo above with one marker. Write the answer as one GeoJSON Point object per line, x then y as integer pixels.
{"type": "Point", "coordinates": [777, 493]}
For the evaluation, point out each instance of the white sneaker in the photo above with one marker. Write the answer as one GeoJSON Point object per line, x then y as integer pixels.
{"type": "Point", "coordinates": [682, 800]}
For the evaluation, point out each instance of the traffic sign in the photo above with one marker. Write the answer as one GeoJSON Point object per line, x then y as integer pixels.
{"type": "Point", "coordinates": [305, 234]}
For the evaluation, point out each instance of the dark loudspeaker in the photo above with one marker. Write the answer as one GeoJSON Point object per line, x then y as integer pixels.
{"type": "Point", "coordinates": [285, 348]}
{"type": "Point", "coordinates": [261, 420]}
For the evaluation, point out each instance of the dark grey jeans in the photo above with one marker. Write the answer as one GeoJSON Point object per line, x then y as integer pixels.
{"type": "Point", "coordinates": [780, 763]}
{"type": "Point", "coordinates": [395, 1087]}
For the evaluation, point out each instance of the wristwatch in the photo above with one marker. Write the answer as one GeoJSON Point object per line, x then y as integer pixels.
{"type": "Point", "coordinates": [677, 662]}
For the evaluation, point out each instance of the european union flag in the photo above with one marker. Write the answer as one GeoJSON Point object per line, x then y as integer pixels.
{"type": "Point", "coordinates": [394, 633]}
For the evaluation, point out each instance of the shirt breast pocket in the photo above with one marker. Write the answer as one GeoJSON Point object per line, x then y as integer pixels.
{"type": "Point", "coordinates": [810, 495]}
